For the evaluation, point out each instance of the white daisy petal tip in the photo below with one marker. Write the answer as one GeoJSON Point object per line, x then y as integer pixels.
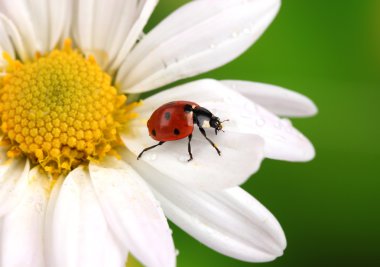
{"type": "Point", "coordinates": [77, 230]}
{"type": "Point", "coordinates": [22, 228]}
{"type": "Point", "coordinates": [198, 37]}
{"type": "Point", "coordinates": [230, 221]}
{"type": "Point", "coordinates": [132, 212]}
{"type": "Point", "coordinates": [281, 101]}
{"type": "Point", "coordinates": [14, 180]}
{"type": "Point", "coordinates": [111, 29]}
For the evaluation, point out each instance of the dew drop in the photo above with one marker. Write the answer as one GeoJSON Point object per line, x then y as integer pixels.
{"type": "Point", "coordinates": [301, 137]}
{"type": "Point", "coordinates": [212, 46]}
{"type": "Point", "coordinates": [247, 31]}
{"type": "Point", "coordinates": [246, 115]}
{"type": "Point", "coordinates": [228, 99]}
{"type": "Point", "coordinates": [176, 252]}
{"type": "Point", "coordinates": [235, 35]}
{"type": "Point", "coordinates": [164, 64]}
{"type": "Point", "coordinates": [287, 122]}
{"type": "Point", "coordinates": [279, 138]}
{"type": "Point", "coordinates": [278, 124]}
{"type": "Point", "coordinates": [151, 157]}
{"type": "Point", "coordinates": [141, 36]}
{"type": "Point", "coordinates": [306, 153]}
{"type": "Point", "coordinates": [252, 27]}
{"type": "Point", "coordinates": [39, 207]}
{"type": "Point", "coordinates": [260, 122]}
{"type": "Point", "coordinates": [183, 158]}
{"type": "Point", "coordinates": [289, 129]}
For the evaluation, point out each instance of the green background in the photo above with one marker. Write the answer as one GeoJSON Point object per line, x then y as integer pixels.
{"type": "Point", "coordinates": [329, 208]}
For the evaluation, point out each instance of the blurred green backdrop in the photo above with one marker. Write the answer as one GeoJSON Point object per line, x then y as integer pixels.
{"type": "Point", "coordinates": [329, 208]}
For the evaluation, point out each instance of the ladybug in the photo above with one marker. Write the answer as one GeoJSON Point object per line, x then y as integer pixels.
{"type": "Point", "coordinates": [175, 120]}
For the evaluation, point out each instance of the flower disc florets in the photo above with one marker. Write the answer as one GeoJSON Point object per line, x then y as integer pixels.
{"type": "Point", "coordinates": [60, 110]}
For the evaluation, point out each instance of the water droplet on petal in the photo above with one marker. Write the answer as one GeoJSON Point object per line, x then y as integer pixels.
{"type": "Point", "coordinates": [183, 158]}
{"type": "Point", "coordinates": [228, 99]}
{"type": "Point", "coordinates": [289, 129]}
{"type": "Point", "coordinates": [39, 207]}
{"type": "Point", "coordinates": [301, 136]}
{"type": "Point", "coordinates": [247, 112]}
{"type": "Point", "coordinates": [260, 122]}
{"type": "Point", "coordinates": [277, 124]}
{"type": "Point", "coordinates": [212, 46]}
{"type": "Point", "coordinates": [252, 26]}
{"type": "Point", "coordinates": [247, 31]}
{"type": "Point", "coordinates": [141, 36]}
{"type": "Point", "coordinates": [235, 35]}
{"type": "Point", "coordinates": [176, 252]}
{"type": "Point", "coordinates": [151, 156]}
{"type": "Point", "coordinates": [287, 122]}
{"type": "Point", "coordinates": [157, 204]}
{"type": "Point", "coordinates": [279, 138]}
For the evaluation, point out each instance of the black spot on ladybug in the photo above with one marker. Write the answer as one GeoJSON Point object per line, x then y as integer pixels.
{"type": "Point", "coordinates": [176, 131]}
{"type": "Point", "coordinates": [188, 108]}
{"type": "Point", "coordinates": [154, 132]}
{"type": "Point", "coordinates": [167, 116]}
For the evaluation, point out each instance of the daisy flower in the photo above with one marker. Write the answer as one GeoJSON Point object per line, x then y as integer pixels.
{"type": "Point", "coordinates": [72, 192]}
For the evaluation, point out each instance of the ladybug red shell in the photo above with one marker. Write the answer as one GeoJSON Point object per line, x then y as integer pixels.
{"type": "Point", "coordinates": [172, 121]}
{"type": "Point", "coordinates": [175, 120]}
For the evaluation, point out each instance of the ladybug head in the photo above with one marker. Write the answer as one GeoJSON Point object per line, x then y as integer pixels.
{"type": "Point", "coordinates": [216, 124]}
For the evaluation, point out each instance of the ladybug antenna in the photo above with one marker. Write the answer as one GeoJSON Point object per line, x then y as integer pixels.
{"type": "Point", "coordinates": [217, 124]}
{"type": "Point", "coordinates": [221, 126]}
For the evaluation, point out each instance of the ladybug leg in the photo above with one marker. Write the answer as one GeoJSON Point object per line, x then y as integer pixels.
{"type": "Point", "coordinates": [149, 148]}
{"type": "Point", "coordinates": [189, 148]}
{"type": "Point", "coordinates": [211, 142]}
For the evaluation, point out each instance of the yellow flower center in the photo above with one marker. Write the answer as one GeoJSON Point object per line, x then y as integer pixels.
{"type": "Point", "coordinates": [60, 110]}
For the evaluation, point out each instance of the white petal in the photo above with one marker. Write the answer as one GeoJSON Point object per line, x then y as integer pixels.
{"type": "Point", "coordinates": [78, 234]}
{"type": "Point", "coordinates": [41, 24]}
{"type": "Point", "coordinates": [133, 214]}
{"type": "Point", "coordinates": [232, 222]}
{"type": "Point", "coordinates": [114, 254]}
{"type": "Point", "coordinates": [276, 99]}
{"type": "Point", "coordinates": [200, 36]}
{"type": "Point", "coordinates": [20, 15]}
{"type": "Point", "coordinates": [145, 9]}
{"type": "Point", "coordinates": [22, 228]}
{"type": "Point", "coordinates": [49, 214]}
{"type": "Point", "coordinates": [5, 45]}
{"type": "Point", "coordinates": [242, 151]}
{"type": "Point", "coordinates": [14, 35]}
{"type": "Point", "coordinates": [247, 122]}
{"type": "Point", "coordinates": [109, 29]}
{"type": "Point", "coordinates": [241, 157]}
{"type": "Point", "coordinates": [13, 183]}
{"type": "Point", "coordinates": [59, 21]}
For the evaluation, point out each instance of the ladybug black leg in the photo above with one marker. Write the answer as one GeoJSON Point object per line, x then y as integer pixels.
{"type": "Point", "coordinates": [211, 142]}
{"type": "Point", "coordinates": [189, 148]}
{"type": "Point", "coordinates": [149, 148]}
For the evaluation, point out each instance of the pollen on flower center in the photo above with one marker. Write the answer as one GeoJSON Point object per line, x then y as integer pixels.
{"type": "Point", "coordinates": [60, 110]}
